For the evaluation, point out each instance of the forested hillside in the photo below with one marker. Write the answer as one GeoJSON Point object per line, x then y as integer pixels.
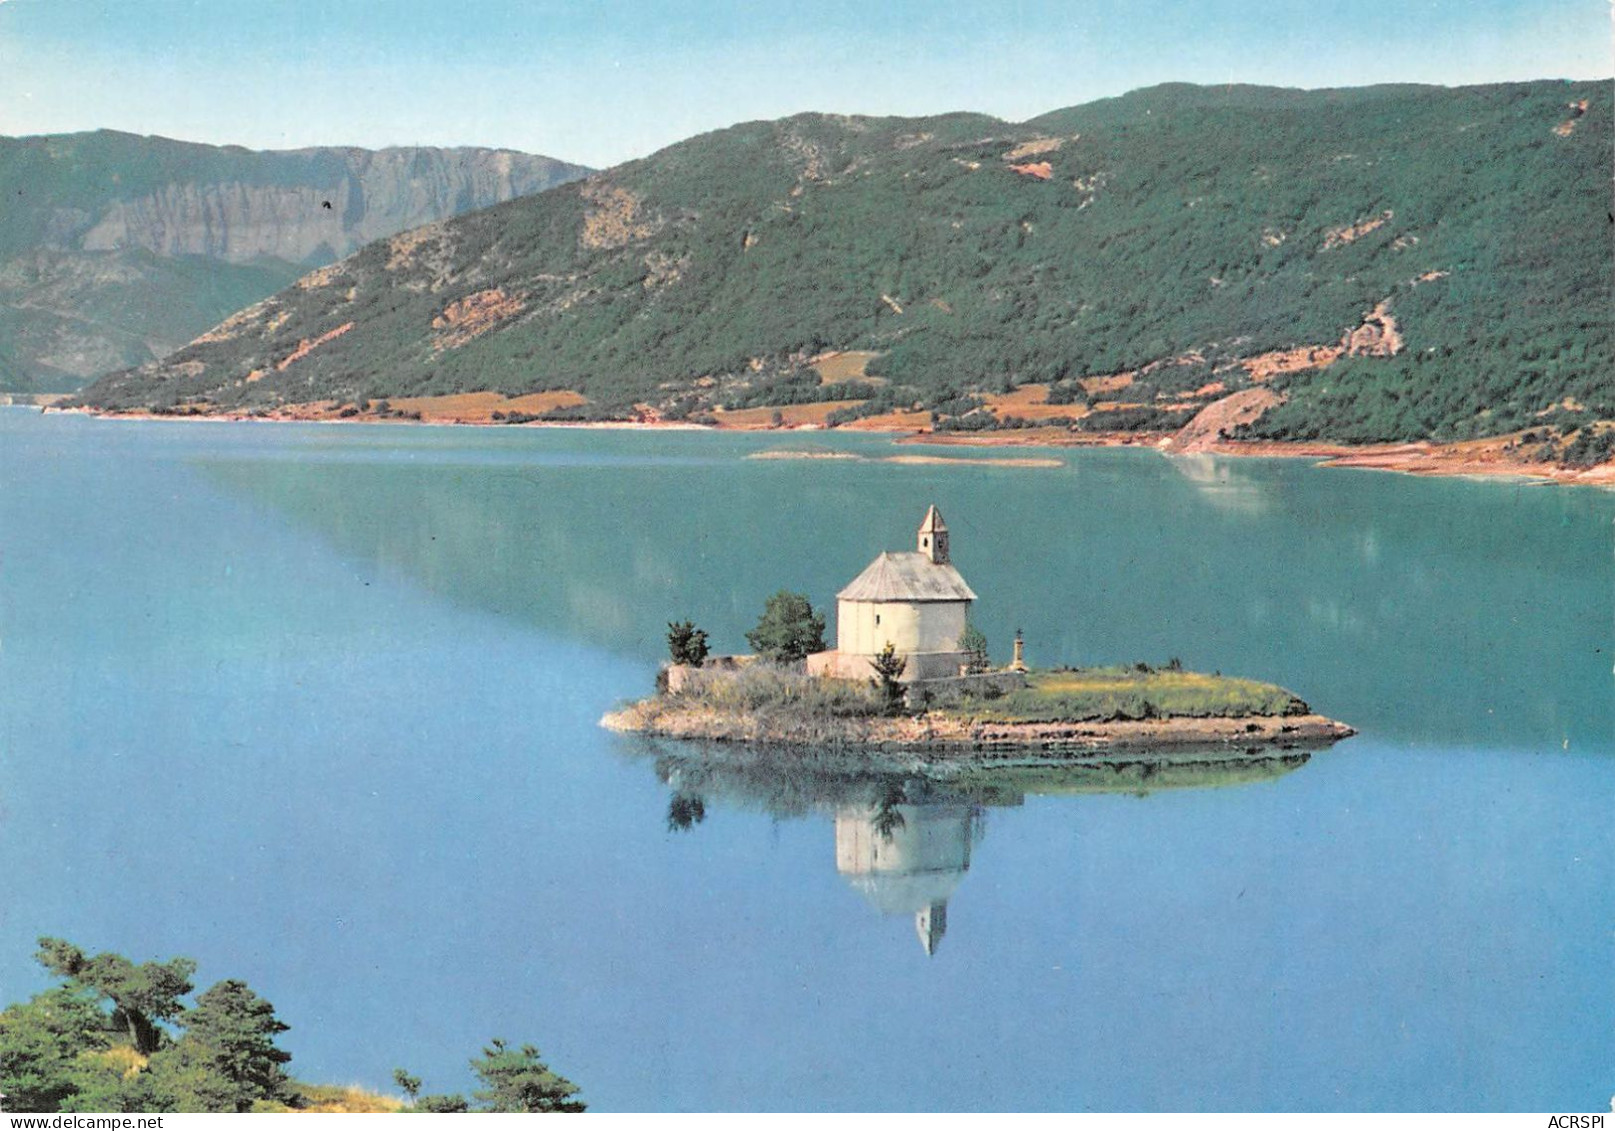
{"type": "Point", "coordinates": [117, 249]}
{"type": "Point", "coordinates": [1369, 264]}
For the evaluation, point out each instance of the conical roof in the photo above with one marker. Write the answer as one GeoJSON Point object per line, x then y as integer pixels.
{"type": "Point", "coordinates": [933, 522]}
{"type": "Point", "coordinates": [904, 893]}
{"type": "Point", "coordinates": [908, 577]}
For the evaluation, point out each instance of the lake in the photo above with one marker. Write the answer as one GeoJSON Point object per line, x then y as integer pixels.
{"type": "Point", "coordinates": [317, 706]}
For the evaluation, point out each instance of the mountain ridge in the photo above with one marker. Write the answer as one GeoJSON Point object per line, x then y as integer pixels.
{"type": "Point", "coordinates": [119, 248]}
{"type": "Point", "coordinates": [1395, 262]}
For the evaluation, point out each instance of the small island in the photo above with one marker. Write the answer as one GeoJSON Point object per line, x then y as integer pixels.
{"type": "Point", "coordinates": [910, 673]}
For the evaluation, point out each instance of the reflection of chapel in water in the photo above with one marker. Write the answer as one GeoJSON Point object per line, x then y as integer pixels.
{"type": "Point", "coordinates": [904, 838]}
{"type": "Point", "coordinates": [907, 859]}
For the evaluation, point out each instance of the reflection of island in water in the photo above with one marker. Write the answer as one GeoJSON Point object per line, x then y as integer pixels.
{"type": "Point", "coordinates": [904, 833]}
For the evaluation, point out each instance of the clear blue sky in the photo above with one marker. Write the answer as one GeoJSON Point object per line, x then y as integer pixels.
{"type": "Point", "coordinates": [600, 83]}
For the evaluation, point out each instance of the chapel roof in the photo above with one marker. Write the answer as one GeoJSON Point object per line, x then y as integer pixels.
{"type": "Point", "coordinates": [904, 893]}
{"type": "Point", "coordinates": [907, 577]}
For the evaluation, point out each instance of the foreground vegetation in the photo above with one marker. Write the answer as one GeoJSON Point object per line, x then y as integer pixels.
{"type": "Point", "coordinates": [118, 1036]}
{"type": "Point", "coordinates": [1169, 235]}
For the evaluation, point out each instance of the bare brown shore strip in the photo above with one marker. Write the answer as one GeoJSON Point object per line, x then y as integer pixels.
{"type": "Point", "coordinates": [942, 461]}
{"type": "Point", "coordinates": [1487, 458]}
{"type": "Point", "coordinates": [956, 736]}
{"type": "Point", "coordinates": [1479, 458]}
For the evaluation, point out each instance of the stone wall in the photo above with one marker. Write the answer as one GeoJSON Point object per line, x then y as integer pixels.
{"type": "Point", "coordinates": [856, 665]}
{"type": "Point", "coordinates": [679, 678]}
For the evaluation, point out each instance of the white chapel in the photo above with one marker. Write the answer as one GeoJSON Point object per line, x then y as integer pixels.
{"type": "Point", "coordinates": [915, 601]}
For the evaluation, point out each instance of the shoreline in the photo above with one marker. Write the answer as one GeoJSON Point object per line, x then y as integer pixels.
{"type": "Point", "coordinates": [1481, 459]}
{"type": "Point", "coordinates": [954, 736]}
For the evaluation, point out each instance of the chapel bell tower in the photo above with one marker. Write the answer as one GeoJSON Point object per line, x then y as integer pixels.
{"type": "Point", "coordinates": [934, 537]}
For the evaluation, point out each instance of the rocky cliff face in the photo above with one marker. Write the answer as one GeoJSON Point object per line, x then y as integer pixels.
{"type": "Point", "coordinates": [371, 194]}
{"type": "Point", "coordinates": [119, 249]}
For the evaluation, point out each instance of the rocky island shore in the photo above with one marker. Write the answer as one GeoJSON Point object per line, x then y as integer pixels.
{"type": "Point", "coordinates": [1071, 713]}
{"type": "Point", "coordinates": [948, 732]}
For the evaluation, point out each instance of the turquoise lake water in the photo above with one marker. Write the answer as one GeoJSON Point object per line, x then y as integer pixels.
{"type": "Point", "coordinates": [317, 706]}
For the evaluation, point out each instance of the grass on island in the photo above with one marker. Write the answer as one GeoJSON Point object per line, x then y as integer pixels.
{"type": "Point", "coordinates": [781, 699]}
{"type": "Point", "coordinates": [1139, 692]}
{"type": "Point", "coordinates": [767, 701]}
{"type": "Point", "coordinates": [764, 688]}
